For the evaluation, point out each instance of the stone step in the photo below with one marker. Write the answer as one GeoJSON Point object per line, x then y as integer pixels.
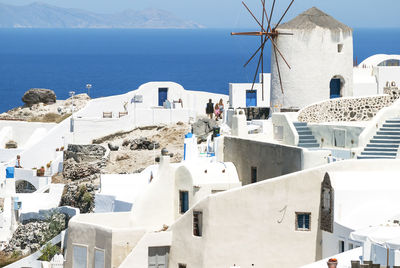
{"type": "Point", "coordinates": [393, 121]}
{"type": "Point", "coordinates": [387, 137]}
{"type": "Point", "coordinates": [389, 129]}
{"type": "Point", "coordinates": [309, 145]}
{"type": "Point", "coordinates": [299, 124]}
{"type": "Point", "coordinates": [374, 157]}
{"type": "Point", "coordinates": [307, 141]}
{"type": "Point", "coordinates": [385, 141]}
{"type": "Point", "coordinates": [380, 149]}
{"type": "Point", "coordinates": [379, 145]}
{"type": "Point", "coordinates": [394, 125]}
{"type": "Point", "coordinates": [306, 137]}
{"type": "Point", "coordinates": [380, 153]}
{"type": "Point", "coordinates": [304, 132]}
{"type": "Point", "coordinates": [388, 132]}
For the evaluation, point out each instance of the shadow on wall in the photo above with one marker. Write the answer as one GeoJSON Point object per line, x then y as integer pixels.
{"type": "Point", "coordinates": [256, 161]}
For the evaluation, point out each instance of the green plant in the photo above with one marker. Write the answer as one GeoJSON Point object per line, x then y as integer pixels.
{"type": "Point", "coordinates": [87, 197]}
{"type": "Point", "coordinates": [16, 254]}
{"type": "Point", "coordinates": [49, 251]}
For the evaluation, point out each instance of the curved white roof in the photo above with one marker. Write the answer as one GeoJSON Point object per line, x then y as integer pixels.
{"type": "Point", "coordinates": [375, 60]}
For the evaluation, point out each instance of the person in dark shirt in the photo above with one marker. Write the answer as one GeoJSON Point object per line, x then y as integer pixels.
{"type": "Point", "coordinates": [210, 108]}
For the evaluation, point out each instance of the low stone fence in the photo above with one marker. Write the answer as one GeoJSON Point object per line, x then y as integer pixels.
{"type": "Point", "coordinates": [348, 109]}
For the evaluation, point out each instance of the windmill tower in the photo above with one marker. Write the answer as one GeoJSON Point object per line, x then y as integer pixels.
{"type": "Point", "coordinates": [320, 52]}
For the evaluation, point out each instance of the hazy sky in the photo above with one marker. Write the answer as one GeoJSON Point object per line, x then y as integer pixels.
{"type": "Point", "coordinates": [232, 15]}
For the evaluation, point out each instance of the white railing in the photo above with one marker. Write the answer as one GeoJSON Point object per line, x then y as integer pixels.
{"type": "Point", "coordinates": [289, 135]}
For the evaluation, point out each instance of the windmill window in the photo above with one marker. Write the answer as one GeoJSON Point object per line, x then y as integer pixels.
{"type": "Point", "coordinates": [326, 199]}
{"type": "Point", "coordinates": [197, 223]}
{"type": "Point", "coordinates": [341, 246]}
{"type": "Point", "coordinates": [303, 221]}
{"type": "Point", "coordinates": [183, 201]}
{"type": "Point", "coordinates": [253, 174]}
{"type": "Point", "coordinates": [340, 48]}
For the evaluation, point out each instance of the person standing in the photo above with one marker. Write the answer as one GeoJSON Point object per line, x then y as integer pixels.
{"type": "Point", "coordinates": [216, 111]}
{"type": "Point", "coordinates": [18, 162]}
{"type": "Point", "coordinates": [221, 108]}
{"type": "Point", "coordinates": [210, 109]}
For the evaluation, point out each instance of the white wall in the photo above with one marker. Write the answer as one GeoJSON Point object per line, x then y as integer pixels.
{"type": "Point", "coordinates": [237, 93]}
{"type": "Point", "coordinates": [192, 100]}
{"type": "Point", "coordinates": [365, 82]}
{"type": "Point", "coordinates": [24, 133]}
{"type": "Point", "coordinates": [387, 74]}
{"type": "Point", "coordinates": [256, 223]}
{"type": "Point", "coordinates": [38, 201]}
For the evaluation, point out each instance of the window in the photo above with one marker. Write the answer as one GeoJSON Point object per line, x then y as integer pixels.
{"type": "Point", "coordinates": [340, 48]}
{"type": "Point", "coordinates": [391, 62]}
{"type": "Point", "coordinates": [158, 257]}
{"type": "Point", "coordinates": [351, 246]}
{"type": "Point", "coordinates": [253, 174]}
{"type": "Point", "coordinates": [197, 223]}
{"type": "Point", "coordinates": [326, 199]}
{"type": "Point", "coordinates": [79, 257]}
{"type": "Point", "coordinates": [341, 246]}
{"type": "Point", "coordinates": [303, 221]}
{"type": "Point", "coordinates": [183, 201]}
{"type": "Point", "coordinates": [98, 258]}
{"type": "Point", "coordinates": [180, 265]}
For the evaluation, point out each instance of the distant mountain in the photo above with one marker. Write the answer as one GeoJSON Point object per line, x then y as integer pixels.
{"type": "Point", "coordinates": [39, 15]}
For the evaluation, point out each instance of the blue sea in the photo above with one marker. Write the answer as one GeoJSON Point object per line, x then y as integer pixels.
{"type": "Point", "coordinates": [116, 61]}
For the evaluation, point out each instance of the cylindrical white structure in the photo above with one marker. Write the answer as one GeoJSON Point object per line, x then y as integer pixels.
{"type": "Point", "coordinates": [320, 54]}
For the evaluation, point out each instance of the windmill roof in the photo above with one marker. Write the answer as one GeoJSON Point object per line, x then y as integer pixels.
{"type": "Point", "coordinates": [312, 18]}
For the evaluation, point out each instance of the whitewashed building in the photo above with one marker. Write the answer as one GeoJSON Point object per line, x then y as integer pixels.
{"type": "Point", "coordinates": [320, 54]}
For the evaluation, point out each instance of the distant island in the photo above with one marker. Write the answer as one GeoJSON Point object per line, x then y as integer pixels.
{"type": "Point", "coordinates": [40, 15]}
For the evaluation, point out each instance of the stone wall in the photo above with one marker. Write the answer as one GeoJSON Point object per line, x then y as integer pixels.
{"type": "Point", "coordinates": [348, 109]}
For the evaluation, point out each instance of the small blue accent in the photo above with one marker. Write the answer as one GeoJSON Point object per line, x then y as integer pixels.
{"type": "Point", "coordinates": [17, 205]}
{"type": "Point", "coordinates": [251, 98]}
{"type": "Point", "coordinates": [189, 135]}
{"type": "Point", "coordinates": [184, 151]}
{"type": "Point", "coordinates": [10, 172]}
{"type": "Point", "coordinates": [218, 134]}
{"type": "Point", "coordinates": [162, 96]}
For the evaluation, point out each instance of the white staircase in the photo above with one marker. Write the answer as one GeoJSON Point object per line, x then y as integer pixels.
{"type": "Point", "coordinates": [385, 144]}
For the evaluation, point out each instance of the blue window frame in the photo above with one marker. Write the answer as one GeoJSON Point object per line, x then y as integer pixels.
{"type": "Point", "coordinates": [183, 201]}
{"type": "Point", "coordinates": [303, 221]}
{"type": "Point", "coordinates": [251, 98]}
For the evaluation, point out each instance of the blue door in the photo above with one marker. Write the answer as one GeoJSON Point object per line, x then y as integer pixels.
{"type": "Point", "coordinates": [335, 88]}
{"type": "Point", "coordinates": [251, 98]}
{"type": "Point", "coordinates": [162, 96]}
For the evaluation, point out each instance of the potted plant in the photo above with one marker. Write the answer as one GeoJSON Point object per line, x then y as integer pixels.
{"type": "Point", "coordinates": [40, 172]}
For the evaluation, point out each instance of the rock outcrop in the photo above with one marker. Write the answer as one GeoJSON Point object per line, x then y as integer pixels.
{"type": "Point", "coordinates": [39, 95]}
{"type": "Point", "coordinates": [79, 196]}
{"type": "Point", "coordinates": [141, 144]}
{"type": "Point", "coordinates": [83, 162]}
{"type": "Point", "coordinates": [29, 237]}
{"type": "Point", "coordinates": [203, 127]}
{"type": "Point", "coordinates": [85, 153]}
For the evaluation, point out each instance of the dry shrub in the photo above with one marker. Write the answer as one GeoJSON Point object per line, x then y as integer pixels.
{"type": "Point", "coordinates": [49, 118]}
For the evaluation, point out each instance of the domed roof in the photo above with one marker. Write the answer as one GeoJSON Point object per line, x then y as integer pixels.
{"type": "Point", "coordinates": [312, 18]}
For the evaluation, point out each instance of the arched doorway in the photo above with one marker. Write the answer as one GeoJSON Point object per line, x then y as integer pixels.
{"type": "Point", "coordinates": [24, 187]}
{"type": "Point", "coordinates": [336, 87]}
